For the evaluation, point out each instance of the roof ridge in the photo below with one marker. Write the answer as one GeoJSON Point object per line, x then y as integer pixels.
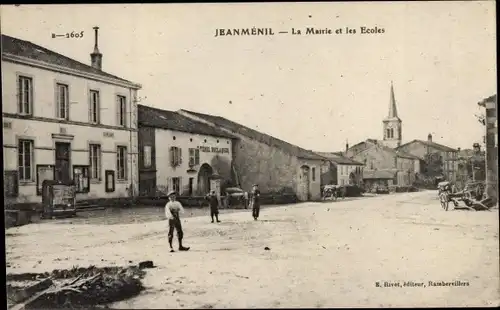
{"type": "Point", "coordinates": [47, 51]}
{"type": "Point", "coordinates": [269, 137]}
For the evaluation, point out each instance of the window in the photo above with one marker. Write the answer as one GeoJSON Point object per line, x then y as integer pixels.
{"type": "Point", "coordinates": [314, 173]}
{"type": "Point", "coordinates": [62, 101]}
{"type": "Point", "coordinates": [194, 157]}
{"type": "Point", "coordinates": [94, 110]}
{"type": "Point", "coordinates": [147, 156]}
{"type": "Point", "coordinates": [341, 170]}
{"type": "Point", "coordinates": [25, 95]}
{"type": "Point", "coordinates": [175, 156]}
{"type": "Point", "coordinates": [25, 160]}
{"type": "Point", "coordinates": [95, 161]}
{"type": "Point", "coordinates": [122, 110]}
{"type": "Point", "coordinates": [121, 163]}
{"type": "Point", "coordinates": [176, 185]}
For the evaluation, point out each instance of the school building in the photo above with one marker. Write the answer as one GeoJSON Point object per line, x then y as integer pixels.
{"type": "Point", "coordinates": [65, 120]}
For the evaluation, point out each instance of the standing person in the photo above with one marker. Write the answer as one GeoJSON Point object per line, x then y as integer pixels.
{"type": "Point", "coordinates": [173, 209]}
{"type": "Point", "coordinates": [255, 201]}
{"type": "Point", "coordinates": [213, 202]}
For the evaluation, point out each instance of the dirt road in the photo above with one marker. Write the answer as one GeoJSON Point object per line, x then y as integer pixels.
{"type": "Point", "coordinates": [321, 255]}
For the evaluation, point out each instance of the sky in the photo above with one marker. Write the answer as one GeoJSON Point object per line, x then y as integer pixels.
{"type": "Point", "coordinates": [315, 91]}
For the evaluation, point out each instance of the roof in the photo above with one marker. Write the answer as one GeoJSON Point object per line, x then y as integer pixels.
{"type": "Point", "coordinates": [379, 174]}
{"type": "Point", "coordinates": [492, 98]}
{"type": "Point", "coordinates": [340, 159]}
{"type": "Point", "coordinates": [259, 136]}
{"type": "Point", "coordinates": [397, 152]}
{"type": "Point", "coordinates": [18, 47]}
{"type": "Point", "coordinates": [157, 118]}
{"type": "Point", "coordinates": [435, 145]}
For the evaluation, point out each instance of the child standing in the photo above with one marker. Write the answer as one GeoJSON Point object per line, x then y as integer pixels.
{"type": "Point", "coordinates": [214, 206]}
{"type": "Point", "coordinates": [173, 209]}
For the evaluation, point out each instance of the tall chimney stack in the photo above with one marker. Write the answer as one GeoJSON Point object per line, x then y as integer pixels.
{"type": "Point", "coordinates": [346, 147]}
{"type": "Point", "coordinates": [96, 56]}
{"type": "Point", "coordinates": [429, 138]}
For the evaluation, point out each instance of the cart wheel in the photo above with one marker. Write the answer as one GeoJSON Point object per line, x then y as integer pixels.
{"type": "Point", "coordinates": [443, 198]}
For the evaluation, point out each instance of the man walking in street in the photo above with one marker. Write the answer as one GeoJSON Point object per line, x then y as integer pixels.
{"type": "Point", "coordinates": [213, 202]}
{"type": "Point", "coordinates": [173, 209]}
{"type": "Point", "coordinates": [255, 201]}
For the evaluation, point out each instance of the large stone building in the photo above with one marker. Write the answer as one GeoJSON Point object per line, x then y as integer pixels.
{"type": "Point", "coordinates": [270, 162]}
{"type": "Point", "coordinates": [181, 154]}
{"type": "Point", "coordinates": [446, 156]}
{"type": "Point", "coordinates": [65, 120]}
{"type": "Point", "coordinates": [375, 155]}
{"type": "Point", "coordinates": [491, 141]}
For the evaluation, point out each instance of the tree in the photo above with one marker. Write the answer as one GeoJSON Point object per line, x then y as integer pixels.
{"type": "Point", "coordinates": [433, 165]}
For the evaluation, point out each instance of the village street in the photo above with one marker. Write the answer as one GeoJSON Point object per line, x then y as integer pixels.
{"type": "Point", "coordinates": [327, 254]}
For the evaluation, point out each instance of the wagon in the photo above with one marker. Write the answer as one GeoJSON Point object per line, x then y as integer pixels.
{"type": "Point", "coordinates": [471, 196]}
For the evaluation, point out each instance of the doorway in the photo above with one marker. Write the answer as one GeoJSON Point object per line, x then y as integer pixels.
{"type": "Point", "coordinates": [304, 192]}
{"type": "Point", "coordinates": [62, 161]}
{"type": "Point", "coordinates": [204, 179]}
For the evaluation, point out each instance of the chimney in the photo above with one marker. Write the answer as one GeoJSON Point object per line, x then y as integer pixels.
{"type": "Point", "coordinates": [429, 138]}
{"type": "Point", "coordinates": [96, 56]}
{"type": "Point", "coordinates": [346, 147]}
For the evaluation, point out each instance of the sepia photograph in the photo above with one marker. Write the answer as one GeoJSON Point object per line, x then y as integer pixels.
{"type": "Point", "coordinates": [250, 155]}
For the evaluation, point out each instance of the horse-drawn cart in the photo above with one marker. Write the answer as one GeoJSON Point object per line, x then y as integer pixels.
{"type": "Point", "coordinates": [333, 192]}
{"type": "Point", "coordinates": [471, 196]}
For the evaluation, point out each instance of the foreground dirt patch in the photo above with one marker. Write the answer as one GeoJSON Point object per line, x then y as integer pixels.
{"type": "Point", "coordinates": [74, 288]}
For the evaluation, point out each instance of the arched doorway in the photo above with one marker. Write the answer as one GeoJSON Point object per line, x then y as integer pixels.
{"type": "Point", "coordinates": [204, 179]}
{"type": "Point", "coordinates": [304, 183]}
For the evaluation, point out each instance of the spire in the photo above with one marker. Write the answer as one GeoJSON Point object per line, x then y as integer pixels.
{"type": "Point", "coordinates": [393, 111]}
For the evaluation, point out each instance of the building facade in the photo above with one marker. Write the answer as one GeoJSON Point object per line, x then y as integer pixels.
{"type": "Point", "coordinates": [65, 120]}
{"type": "Point", "coordinates": [340, 170]}
{"type": "Point", "coordinates": [180, 154]}
{"type": "Point", "coordinates": [376, 156]}
{"type": "Point", "coordinates": [491, 141]}
{"type": "Point", "coordinates": [277, 166]}
{"type": "Point", "coordinates": [447, 156]}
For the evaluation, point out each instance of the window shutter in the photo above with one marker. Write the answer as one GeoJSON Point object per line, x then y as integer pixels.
{"type": "Point", "coordinates": [180, 186]}
{"type": "Point", "coordinates": [180, 156]}
{"type": "Point", "coordinates": [171, 155]}
{"type": "Point", "coordinates": [197, 157]}
{"type": "Point", "coordinates": [118, 110]}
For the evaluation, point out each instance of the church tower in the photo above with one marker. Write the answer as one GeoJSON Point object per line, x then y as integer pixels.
{"type": "Point", "coordinates": [392, 124]}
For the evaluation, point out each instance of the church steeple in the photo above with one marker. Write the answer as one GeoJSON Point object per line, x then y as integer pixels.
{"type": "Point", "coordinates": [393, 110]}
{"type": "Point", "coordinates": [392, 124]}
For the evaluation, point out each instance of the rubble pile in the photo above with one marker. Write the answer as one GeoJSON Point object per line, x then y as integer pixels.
{"type": "Point", "coordinates": [75, 288]}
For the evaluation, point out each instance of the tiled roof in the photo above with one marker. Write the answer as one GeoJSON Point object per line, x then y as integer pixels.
{"type": "Point", "coordinates": [32, 51]}
{"type": "Point", "coordinates": [379, 174]}
{"type": "Point", "coordinates": [340, 159]}
{"type": "Point", "coordinates": [397, 152]}
{"type": "Point", "coordinates": [435, 145]}
{"type": "Point", "coordinates": [259, 136]}
{"type": "Point", "coordinates": [153, 117]}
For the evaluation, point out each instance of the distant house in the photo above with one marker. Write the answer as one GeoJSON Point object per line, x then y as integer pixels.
{"type": "Point", "coordinates": [340, 170]}
{"type": "Point", "coordinates": [379, 178]}
{"type": "Point", "coordinates": [272, 163]}
{"type": "Point", "coordinates": [446, 155]}
{"type": "Point", "coordinates": [491, 141]}
{"type": "Point", "coordinates": [375, 155]}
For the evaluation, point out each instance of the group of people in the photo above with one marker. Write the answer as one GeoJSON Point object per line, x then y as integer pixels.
{"type": "Point", "coordinates": [174, 208]}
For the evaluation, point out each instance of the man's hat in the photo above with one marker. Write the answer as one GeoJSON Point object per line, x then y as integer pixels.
{"type": "Point", "coordinates": [171, 193]}
{"type": "Point", "coordinates": [256, 185]}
